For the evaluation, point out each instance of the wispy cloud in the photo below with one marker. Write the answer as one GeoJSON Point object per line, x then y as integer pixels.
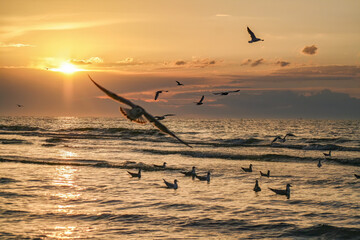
{"type": "Point", "coordinates": [222, 15]}
{"type": "Point", "coordinates": [282, 63]}
{"type": "Point", "coordinates": [92, 60]}
{"type": "Point", "coordinates": [252, 63]}
{"type": "Point", "coordinates": [194, 63]}
{"type": "Point", "coordinates": [14, 45]}
{"type": "Point", "coordinates": [309, 50]}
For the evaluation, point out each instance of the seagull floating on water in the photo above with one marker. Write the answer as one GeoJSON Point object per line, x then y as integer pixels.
{"type": "Point", "coordinates": [171, 185]}
{"type": "Point", "coordinates": [158, 93]}
{"type": "Point", "coordinates": [161, 166]}
{"type": "Point", "coordinates": [179, 83]}
{"type": "Point", "coordinates": [253, 37]}
{"type": "Point", "coordinates": [136, 113]}
{"type": "Point", "coordinates": [138, 174]}
{"type": "Point", "coordinates": [163, 116]}
{"type": "Point", "coordinates": [191, 173]}
{"type": "Point", "coordinates": [283, 192]}
{"type": "Point", "coordinates": [247, 169]}
{"type": "Point", "coordinates": [327, 154]}
{"type": "Point", "coordinates": [319, 164]}
{"type": "Point", "coordinates": [257, 188]}
{"type": "Point", "coordinates": [204, 178]}
{"type": "Point", "coordinates": [282, 139]}
{"type": "Point", "coordinates": [225, 93]}
{"type": "Point", "coordinates": [265, 174]}
{"type": "Point", "coordinates": [201, 101]}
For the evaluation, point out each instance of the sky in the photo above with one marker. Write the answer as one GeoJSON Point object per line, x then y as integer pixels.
{"type": "Point", "coordinates": [308, 65]}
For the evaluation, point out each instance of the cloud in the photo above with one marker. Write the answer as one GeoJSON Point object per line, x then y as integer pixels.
{"type": "Point", "coordinates": [310, 50]}
{"type": "Point", "coordinates": [283, 63]}
{"type": "Point", "coordinates": [14, 45]}
{"type": "Point", "coordinates": [194, 63]}
{"type": "Point", "coordinates": [180, 62]}
{"type": "Point", "coordinates": [257, 62]}
{"type": "Point", "coordinates": [222, 15]}
{"type": "Point", "coordinates": [91, 60]}
{"type": "Point", "coordinates": [246, 62]}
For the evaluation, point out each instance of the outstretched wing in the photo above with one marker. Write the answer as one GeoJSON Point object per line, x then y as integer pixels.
{"type": "Point", "coordinates": [290, 134]}
{"type": "Point", "coordinates": [217, 93]}
{"type": "Point", "coordinates": [278, 137]}
{"type": "Point", "coordinates": [113, 95]}
{"type": "Point", "coordinates": [162, 127]}
{"type": "Point", "coordinates": [235, 91]}
{"type": "Point", "coordinates": [157, 95]}
{"type": "Point", "coordinates": [202, 98]}
{"type": "Point", "coordinates": [251, 33]}
{"type": "Point", "coordinates": [170, 114]}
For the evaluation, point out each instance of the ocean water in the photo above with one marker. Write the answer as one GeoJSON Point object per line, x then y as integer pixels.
{"type": "Point", "coordinates": [66, 178]}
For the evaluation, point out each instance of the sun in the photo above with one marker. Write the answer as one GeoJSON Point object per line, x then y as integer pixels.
{"type": "Point", "coordinates": [67, 68]}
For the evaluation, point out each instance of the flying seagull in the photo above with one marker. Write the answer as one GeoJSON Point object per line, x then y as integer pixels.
{"type": "Point", "coordinates": [282, 139]}
{"type": "Point", "coordinates": [136, 113]}
{"type": "Point", "coordinates": [201, 101]}
{"type": "Point", "coordinates": [253, 37]}
{"type": "Point", "coordinates": [158, 93]}
{"type": "Point", "coordinates": [282, 192]}
{"type": "Point", "coordinates": [163, 116]}
{"type": "Point", "coordinates": [247, 169]}
{"type": "Point", "coordinates": [171, 185]}
{"type": "Point", "coordinates": [257, 187]}
{"type": "Point", "coordinates": [138, 174]}
{"type": "Point", "coordinates": [179, 83]}
{"type": "Point", "coordinates": [225, 93]}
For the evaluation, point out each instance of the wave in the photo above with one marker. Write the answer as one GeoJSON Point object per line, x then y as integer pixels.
{"type": "Point", "coordinates": [19, 128]}
{"type": "Point", "coordinates": [14, 141]}
{"type": "Point", "coordinates": [324, 231]}
{"type": "Point", "coordinates": [7, 180]}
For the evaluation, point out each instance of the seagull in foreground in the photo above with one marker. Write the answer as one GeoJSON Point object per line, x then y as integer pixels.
{"type": "Point", "coordinates": [201, 101]}
{"type": "Point", "coordinates": [327, 154]}
{"type": "Point", "coordinates": [247, 169]}
{"type": "Point", "coordinates": [282, 192]}
{"type": "Point", "coordinates": [158, 93]}
{"type": "Point", "coordinates": [253, 37]}
{"type": "Point", "coordinates": [282, 139]}
{"type": "Point", "coordinates": [204, 178]}
{"type": "Point", "coordinates": [357, 176]}
{"type": "Point", "coordinates": [257, 188]}
{"type": "Point", "coordinates": [171, 185]}
{"type": "Point", "coordinates": [265, 174]}
{"type": "Point", "coordinates": [191, 173]}
{"type": "Point", "coordinates": [163, 116]}
{"type": "Point", "coordinates": [179, 83]}
{"type": "Point", "coordinates": [226, 93]}
{"type": "Point", "coordinates": [161, 166]}
{"type": "Point", "coordinates": [136, 113]}
{"type": "Point", "coordinates": [19, 105]}
{"type": "Point", "coordinates": [138, 174]}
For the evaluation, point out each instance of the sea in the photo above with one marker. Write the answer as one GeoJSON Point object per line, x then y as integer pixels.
{"type": "Point", "coordinates": [66, 178]}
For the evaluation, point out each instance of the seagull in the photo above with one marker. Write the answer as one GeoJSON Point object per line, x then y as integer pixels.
{"type": "Point", "coordinates": [319, 164]}
{"type": "Point", "coordinates": [19, 105]}
{"type": "Point", "coordinates": [225, 93]}
{"type": "Point", "coordinates": [282, 192]}
{"type": "Point", "coordinates": [357, 176]}
{"type": "Point", "coordinates": [179, 83]}
{"type": "Point", "coordinates": [247, 169]}
{"type": "Point", "coordinates": [163, 116]}
{"type": "Point", "coordinates": [257, 188]}
{"type": "Point", "coordinates": [171, 185]}
{"type": "Point", "coordinates": [265, 174]}
{"type": "Point", "coordinates": [136, 113]}
{"type": "Point", "coordinates": [161, 166]}
{"type": "Point", "coordinates": [201, 101]}
{"type": "Point", "coordinates": [204, 178]}
{"type": "Point", "coordinates": [253, 37]}
{"type": "Point", "coordinates": [191, 173]}
{"type": "Point", "coordinates": [282, 139]}
{"type": "Point", "coordinates": [158, 93]}
{"type": "Point", "coordinates": [327, 154]}
{"type": "Point", "coordinates": [138, 174]}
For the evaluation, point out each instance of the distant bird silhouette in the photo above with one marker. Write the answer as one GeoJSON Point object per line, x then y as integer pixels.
{"type": "Point", "coordinates": [179, 83]}
{"type": "Point", "coordinates": [285, 192]}
{"type": "Point", "coordinates": [357, 176]}
{"type": "Point", "coordinates": [265, 174]}
{"type": "Point", "coordinates": [253, 37]}
{"type": "Point", "coordinates": [19, 105]}
{"type": "Point", "coordinates": [319, 164]}
{"type": "Point", "coordinates": [158, 93]}
{"type": "Point", "coordinates": [204, 178]}
{"type": "Point", "coordinates": [161, 166]}
{"type": "Point", "coordinates": [282, 139]}
{"type": "Point", "coordinates": [327, 154]}
{"type": "Point", "coordinates": [171, 185]}
{"type": "Point", "coordinates": [136, 113]}
{"type": "Point", "coordinates": [201, 101]}
{"type": "Point", "coordinates": [247, 169]}
{"type": "Point", "coordinates": [191, 173]}
{"type": "Point", "coordinates": [225, 93]}
{"type": "Point", "coordinates": [138, 174]}
{"type": "Point", "coordinates": [163, 116]}
{"type": "Point", "coordinates": [257, 188]}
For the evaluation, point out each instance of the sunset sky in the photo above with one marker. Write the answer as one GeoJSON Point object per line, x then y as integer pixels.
{"type": "Point", "coordinates": [307, 66]}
